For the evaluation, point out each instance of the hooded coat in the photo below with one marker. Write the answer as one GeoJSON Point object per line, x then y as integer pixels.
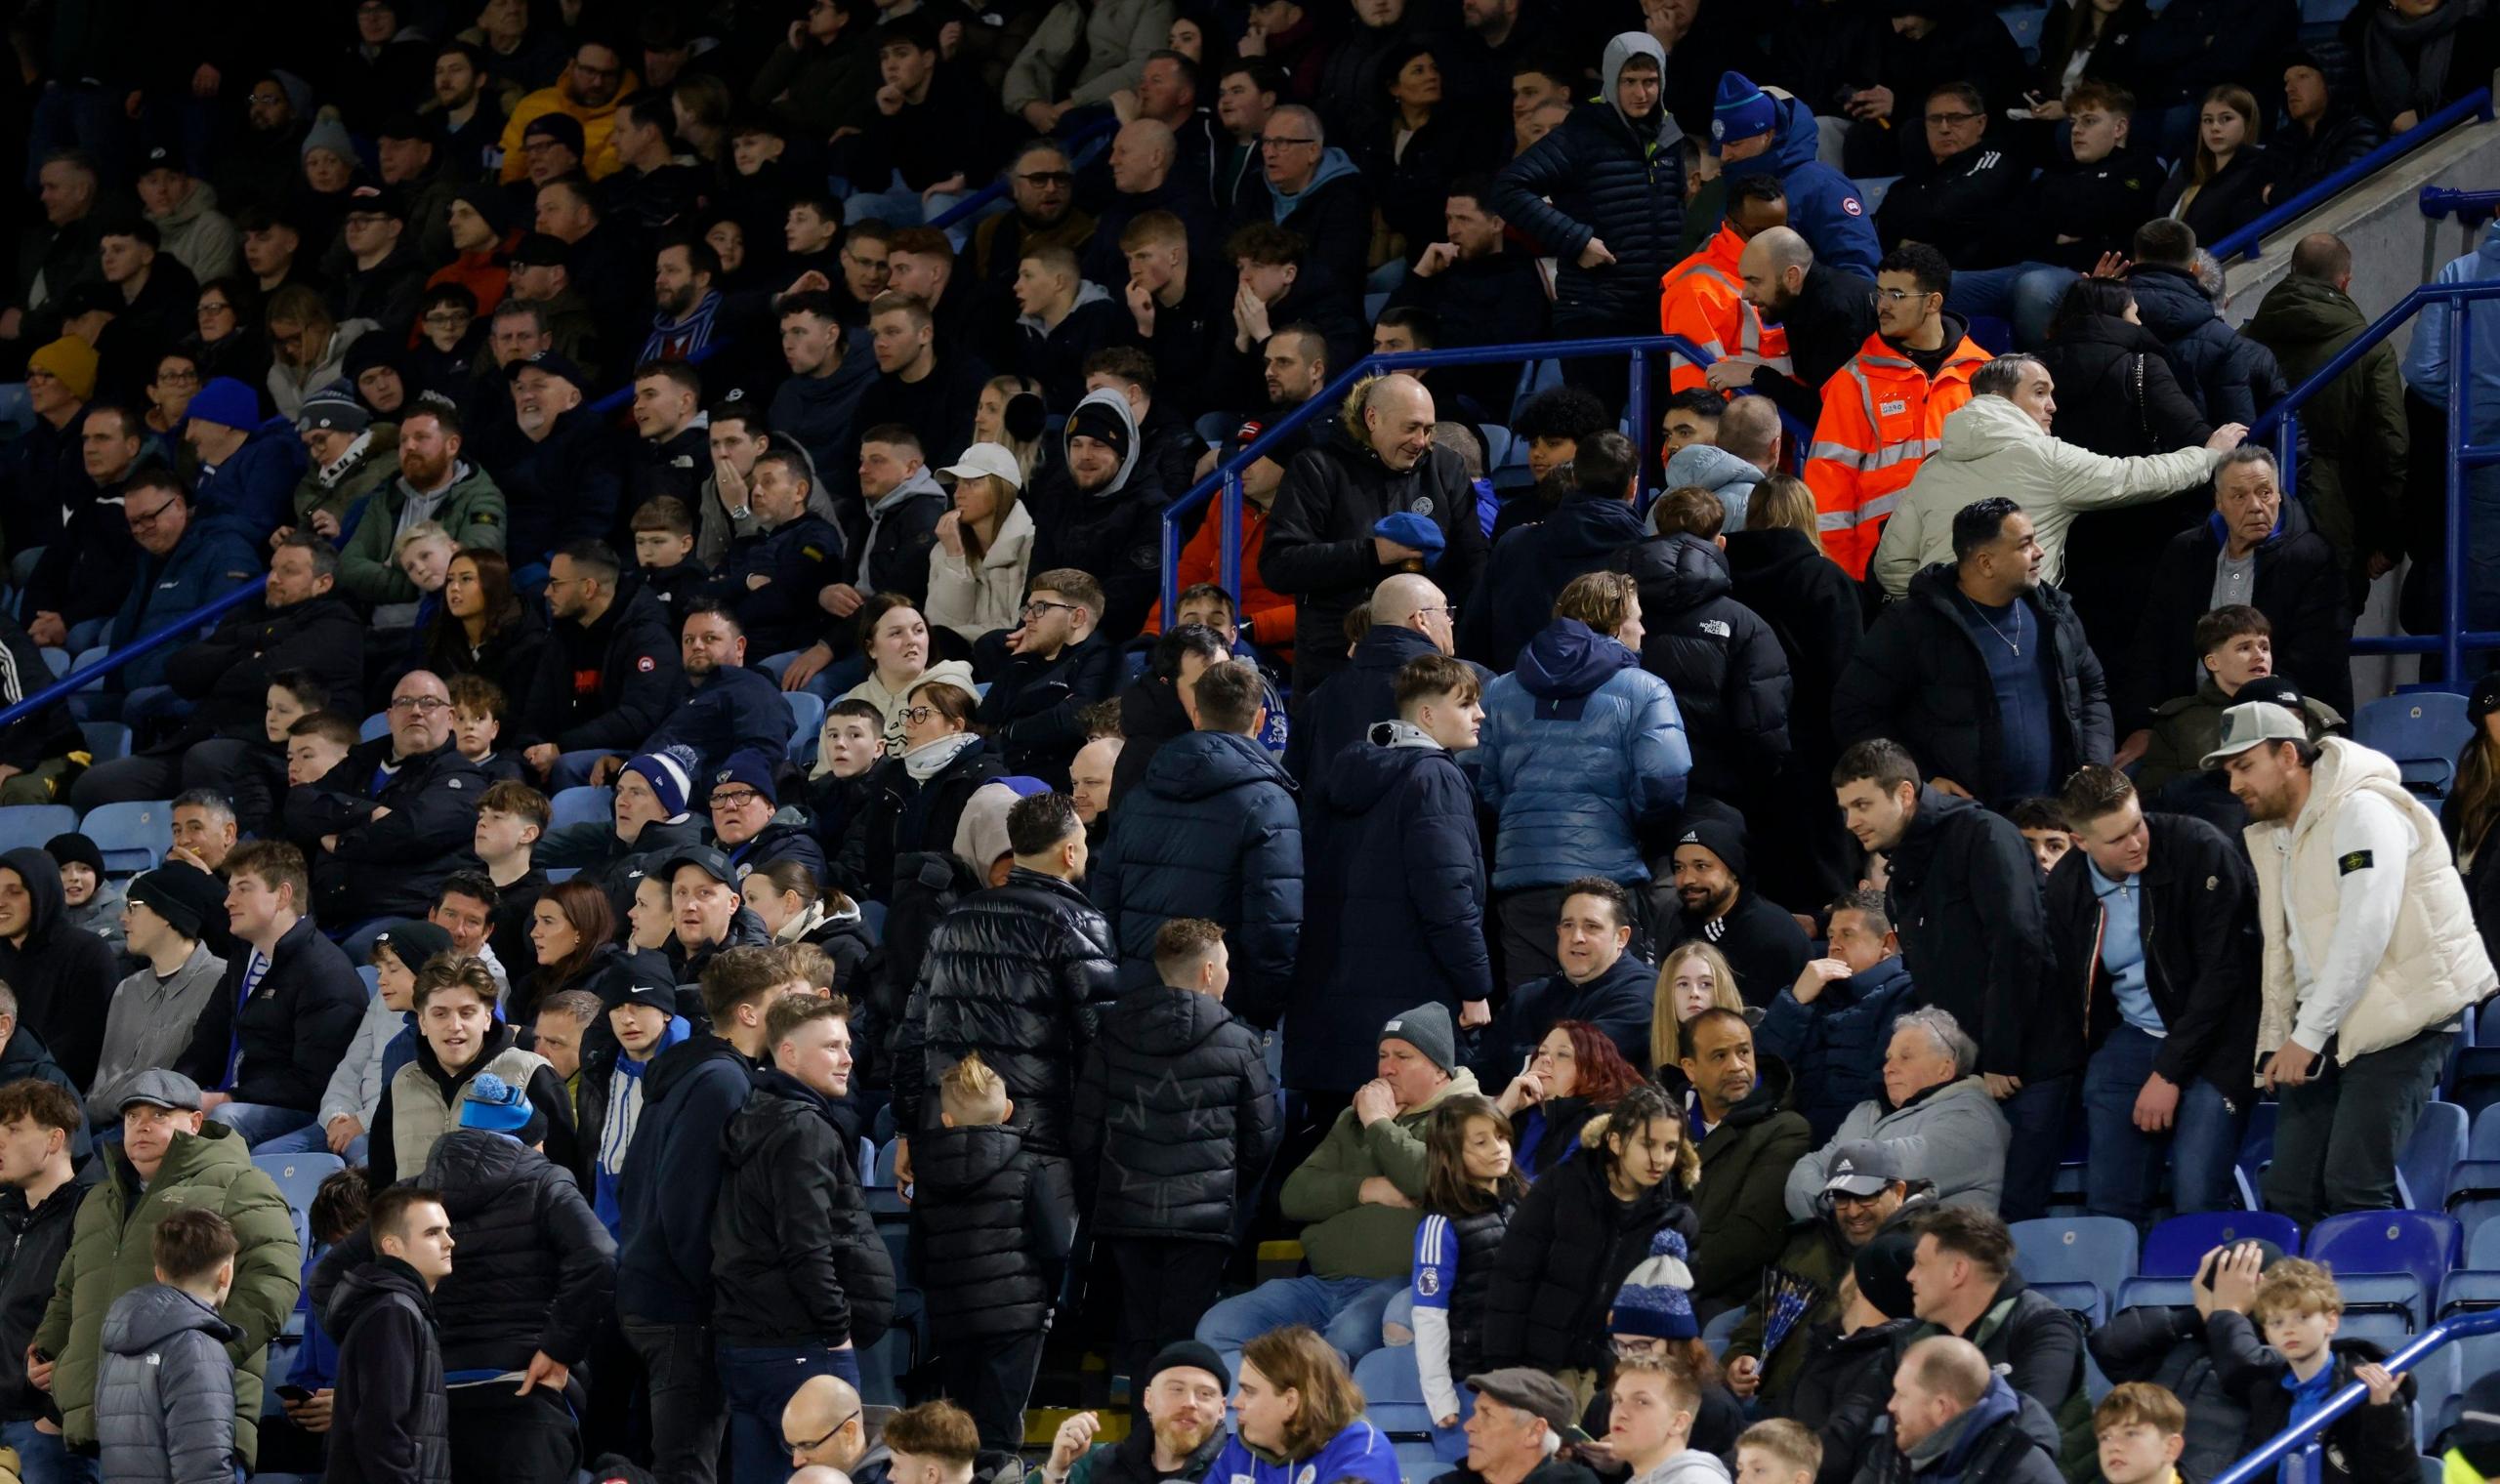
{"type": "Point", "coordinates": [165, 1391]}
{"type": "Point", "coordinates": [1823, 204]}
{"type": "Point", "coordinates": [2116, 393]}
{"type": "Point", "coordinates": [1971, 930]}
{"type": "Point", "coordinates": [1727, 672]}
{"type": "Point", "coordinates": [1619, 1001]}
{"type": "Point", "coordinates": [1343, 1235]}
{"type": "Point", "coordinates": [1211, 832]}
{"type": "Point", "coordinates": [1580, 749]}
{"type": "Point", "coordinates": [2229, 377]}
{"type": "Point", "coordinates": [64, 976]}
{"type": "Point", "coordinates": [390, 1419]}
{"type": "Point", "coordinates": [796, 1259]}
{"type": "Point", "coordinates": [199, 237]}
{"type": "Point", "coordinates": [110, 1255]}
{"type": "Point", "coordinates": [1342, 711]}
{"type": "Point", "coordinates": [1569, 1247]}
{"type": "Point", "coordinates": [225, 676]}
{"type": "Point", "coordinates": [1333, 214]}
{"type": "Point", "coordinates": [35, 1238]}
{"type": "Point", "coordinates": [2355, 426]}
{"type": "Point", "coordinates": [1115, 533]}
{"type": "Point", "coordinates": [1394, 897]}
{"type": "Point", "coordinates": [1532, 564]}
{"type": "Point", "coordinates": [1837, 1043]}
{"type": "Point", "coordinates": [608, 685]}
{"type": "Point", "coordinates": [673, 1174]}
{"type": "Point", "coordinates": [1739, 1201]}
{"type": "Point", "coordinates": [2007, 1438]}
{"type": "Point", "coordinates": [1176, 1120]}
{"type": "Point", "coordinates": [991, 1227]}
{"type": "Point", "coordinates": [1706, 465]}
{"type": "Point", "coordinates": [1606, 176]}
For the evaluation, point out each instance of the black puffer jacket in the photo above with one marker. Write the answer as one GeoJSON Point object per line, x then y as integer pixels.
{"type": "Point", "coordinates": [796, 1259]}
{"type": "Point", "coordinates": [1569, 1247]}
{"type": "Point", "coordinates": [1919, 679]}
{"type": "Point", "coordinates": [2116, 393]}
{"type": "Point", "coordinates": [1176, 1119]}
{"type": "Point", "coordinates": [1729, 675]}
{"type": "Point", "coordinates": [2230, 378]}
{"type": "Point", "coordinates": [536, 1269]}
{"type": "Point", "coordinates": [1603, 176]}
{"type": "Point", "coordinates": [1021, 973]}
{"type": "Point", "coordinates": [1813, 612]}
{"type": "Point", "coordinates": [1585, 533]}
{"type": "Point", "coordinates": [390, 1420]}
{"type": "Point", "coordinates": [991, 1227]}
{"type": "Point", "coordinates": [900, 814]}
{"type": "Point", "coordinates": [2166, 1346]}
{"type": "Point", "coordinates": [385, 865]}
{"type": "Point", "coordinates": [1973, 932]}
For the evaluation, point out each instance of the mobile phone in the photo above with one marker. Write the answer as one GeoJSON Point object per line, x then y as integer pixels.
{"type": "Point", "coordinates": [294, 1394]}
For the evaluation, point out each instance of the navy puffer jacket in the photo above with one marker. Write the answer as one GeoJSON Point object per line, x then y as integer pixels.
{"type": "Point", "coordinates": [2229, 377]}
{"type": "Point", "coordinates": [1211, 832]}
{"type": "Point", "coordinates": [1532, 564]}
{"type": "Point", "coordinates": [1395, 890]}
{"type": "Point", "coordinates": [1725, 665]}
{"type": "Point", "coordinates": [1601, 175]}
{"type": "Point", "coordinates": [1837, 1042]}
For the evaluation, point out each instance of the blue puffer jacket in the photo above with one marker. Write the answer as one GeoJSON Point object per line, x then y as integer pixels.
{"type": "Point", "coordinates": [1603, 176]}
{"type": "Point", "coordinates": [1211, 831]}
{"type": "Point", "coordinates": [1837, 1042]}
{"type": "Point", "coordinates": [253, 493]}
{"type": "Point", "coordinates": [1580, 748]}
{"type": "Point", "coordinates": [1823, 204]}
{"type": "Point", "coordinates": [2229, 377]}
{"type": "Point", "coordinates": [207, 563]}
{"type": "Point", "coordinates": [1396, 897]}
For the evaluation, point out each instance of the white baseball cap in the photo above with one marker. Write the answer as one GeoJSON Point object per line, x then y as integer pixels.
{"type": "Point", "coordinates": [990, 459]}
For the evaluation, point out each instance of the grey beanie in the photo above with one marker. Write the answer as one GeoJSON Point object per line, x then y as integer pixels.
{"type": "Point", "coordinates": [1427, 1029]}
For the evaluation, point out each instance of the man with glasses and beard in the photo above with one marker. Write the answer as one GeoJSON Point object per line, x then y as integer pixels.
{"type": "Point", "coordinates": [1044, 186]}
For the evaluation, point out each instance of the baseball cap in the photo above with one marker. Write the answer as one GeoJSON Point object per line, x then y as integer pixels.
{"type": "Point", "coordinates": [1861, 1168]}
{"type": "Point", "coordinates": [2254, 723]}
{"type": "Point", "coordinates": [991, 459]}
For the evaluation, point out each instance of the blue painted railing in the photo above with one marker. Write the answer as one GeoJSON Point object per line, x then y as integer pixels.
{"type": "Point", "coordinates": [622, 398]}
{"type": "Point", "coordinates": [2250, 240]}
{"type": "Point", "coordinates": [1226, 480]}
{"type": "Point", "coordinates": [970, 206]}
{"type": "Point", "coordinates": [2301, 1438]}
{"type": "Point", "coordinates": [186, 626]}
{"type": "Point", "coordinates": [2282, 424]}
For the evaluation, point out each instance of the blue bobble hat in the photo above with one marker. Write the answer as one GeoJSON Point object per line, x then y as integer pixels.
{"type": "Point", "coordinates": [501, 1107]}
{"type": "Point", "coordinates": [1742, 109]}
{"type": "Point", "coordinates": [1656, 1299]}
{"type": "Point", "coordinates": [670, 772]}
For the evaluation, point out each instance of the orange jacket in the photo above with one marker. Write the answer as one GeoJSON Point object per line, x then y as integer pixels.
{"type": "Point", "coordinates": [1702, 300]}
{"type": "Point", "coordinates": [1882, 417]}
{"type": "Point", "coordinates": [1266, 616]}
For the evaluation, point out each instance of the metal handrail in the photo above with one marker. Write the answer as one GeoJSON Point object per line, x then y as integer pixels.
{"type": "Point", "coordinates": [2303, 1436]}
{"type": "Point", "coordinates": [2250, 240]}
{"type": "Point", "coordinates": [2467, 206]}
{"type": "Point", "coordinates": [1227, 479]}
{"type": "Point", "coordinates": [623, 397]}
{"type": "Point", "coordinates": [145, 645]}
{"type": "Point", "coordinates": [2281, 423]}
{"type": "Point", "coordinates": [968, 205]}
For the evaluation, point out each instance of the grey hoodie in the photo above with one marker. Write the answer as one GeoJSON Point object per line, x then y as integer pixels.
{"type": "Point", "coordinates": [1119, 406]}
{"type": "Point", "coordinates": [1690, 1466]}
{"type": "Point", "coordinates": [149, 1025]}
{"type": "Point", "coordinates": [199, 237]}
{"type": "Point", "coordinates": [923, 482]}
{"type": "Point", "coordinates": [165, 1391]}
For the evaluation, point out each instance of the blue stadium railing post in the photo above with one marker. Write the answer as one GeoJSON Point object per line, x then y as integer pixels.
{"type": "Point", "coordinates": [2460, 429]}
{"type": "Point", "coordinates": [1232, 516]}
{"type": "Point", "coordinates": [1635, 410]}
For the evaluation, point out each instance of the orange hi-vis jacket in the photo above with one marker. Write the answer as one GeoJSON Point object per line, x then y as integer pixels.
{"type": "Point", "coordinates": [1702, 300]}
{"type": "Point", "coordinates": [1882, 417]}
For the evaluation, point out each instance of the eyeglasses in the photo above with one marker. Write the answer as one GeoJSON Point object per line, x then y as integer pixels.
{"type": "Point", "coordinates": [448, 317]}
{"type": "Point", "coordinates": [1450, 610]}
{"type": "Point", "coordinates": [1627, 1346]}
{"type": "Point", "coordinates": [796, 1446]}
{"type": "Point", "coordinates": [1283, 142]}
{"type": "Point", "coordinates": [1038, 608]}
{"type": "Point", "coordinates": [425, 705]}
{"type": "Point", "coordinates": [1949, 120]}
{"type": "Point", "coordinates": [139, 520]}
{"type": "Point", "coordinates": [267, 100]}
{"type": "Point", "coordinates": [215, 307]}
{"type": "Point", "coordinates": [176, 378]}
{"type": "Point", "coordinates": [734, 799]}
{"type": "Point", "coordinates": [1895, 296]}
{"type": "Point", "coordinates": [916, 714]}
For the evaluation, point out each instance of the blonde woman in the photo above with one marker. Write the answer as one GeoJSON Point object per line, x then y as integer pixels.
{"type": "Point", "coordinates": [1692, 977]}
{"type": "Point", "coordinates": [894, 638]}
{"type": "Point", "coordinates": [984, 545]}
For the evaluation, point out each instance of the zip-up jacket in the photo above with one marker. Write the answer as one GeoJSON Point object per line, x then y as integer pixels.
{"type": "Point", "coordinates": [1881, 418]}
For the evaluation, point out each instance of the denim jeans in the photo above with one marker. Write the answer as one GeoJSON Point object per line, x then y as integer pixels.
{"type": "Point", "coordinates": [688, 1412]}
{"type": "Point", "coordinates": [2123, 1174]}
{"type": "Point", "coordinates": [2025, 296]}
{"type": "Point", "coordinates": [43, 1458]}
{"type": "Point", "coordinates": [312, 1139]}
{"type": "Point", "coordinates": [2041, 1114]}
{"type": "Point", "coordinates": [759, 1381]}
{"type": "Point", "coordinates": [259, 1121]}
{"type": "Point", "coordinates": [2338, 1135]}
{"type": "Point", "coordinates": [1346, 1310]}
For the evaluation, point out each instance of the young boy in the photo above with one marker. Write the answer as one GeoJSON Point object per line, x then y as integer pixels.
{"type": "Point", "coordinates": [852, 741]}
{"type": "Point", "coordinates": [316, 745]}
{"type": "Point", "coordinates": [1780, 1451]}
{"type": "Point", "coordinates": [387, 1414]}
{"type": "Point", "coordinates": [93, 904]}
{"type": "Point", "coordinates": [641, 1015]}
{"type": "Point", "coordinates": [477, 710]}
{"type": "Point", "coordinates": [983, 1204]}
{"type": "Point", "coordinates": [2142, 1430]}
{"type": "Point", "coordinates": [2043, 823]}
{"type": "Point", "coordinates": [2301, 1364]}
{"type": "Point", "coordinates": [1649, 1424]}
{"type": "Point", "coordinates": [165, 1385]}
{"type": "Point", "coordinates": [1174, 1095]}
{"type": "Point", "coordinates": [423, 552]}
{"type": "Point", "coordinates": [2235, 644]}
{"type": "Point", "coordinates": [511, 818]}
{"type": "Point", "coordinates": [664, 549]}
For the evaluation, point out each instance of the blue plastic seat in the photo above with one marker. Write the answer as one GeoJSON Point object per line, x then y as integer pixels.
{"type": "Point", "coordinates": [582, 805]}
{"type": "Point", "coordinates": [2421, 1243]}
{"type": "Point", "coordinates": [2077, 1297]}
{"type": "Point", "coordinates": [2423, 730]}
{"type": "Point", "coordinates": [2175, 1247]}
{"type": "Point", "coordinates": [2429, 1158]}
{"type": "Point", "coordinates": [2482, 1141]}
{"type": "Point", "coordinates": [56, 660]}
{"type": "Point", "coordinates": [2439, 1379]}
{"type": "Point", "coordinates": [1720, 1330]}
{"type": "Point", "coordinates": [2166, 1292]}
{"type": "Point", "coordinates": [2378, 1326]}
{"type": "Point", "coordinates": [106, 740]}
{"type": "Point", "coordinates": [133, 836]}
{"type": "Point", "coordinates": [2483, 1252]}
{"type": "Point", "coordinates": [299, 1176]}
{"type": "Point", "coordinates": [1393, 1393]}
{"type": "Point", "coordinates": [2470, 1288]}
{"type": "Point", "coordinates": [375, 725]}
{"type": "Point", "coordinates": [2403, 1294]}
{"type": "Point", "coordinates": [29, 825]}
{"type": "Point", "coordinates": [872, 919]}
{"type": "Point", "coordinates": [2097, 1250]}
{"type": "Point", "coordinates": [806, 715]}
{"type": "Point", "coordinates": [2474, 1194]}
{"type": "Point", "coordinates": [372, 978]}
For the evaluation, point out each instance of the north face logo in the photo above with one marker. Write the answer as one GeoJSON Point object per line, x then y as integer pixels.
{"type": "Point", "coordinates": [1716, 628]}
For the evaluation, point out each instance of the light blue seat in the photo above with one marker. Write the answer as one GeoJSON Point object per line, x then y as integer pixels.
{"type": "Point", "coordinates": [2428, 1165]}
{"type": "Point", "coordinates": [106, 740]}
{"type": "Point", "coordinates": [581, 804]}
{"type": "Point", "coordinates": [2099, 1251]}
{"type": "Point", "coordinates": [2167, 1293]}
{"type": "Point", "coordinates": [133, 836]}
{"type": "Point", "coordinates": [375, 725]}
{"type": "Point", "coordinates": [2423, 730]}
{"type": "Point", "coordinates": [299, 1176]}
{"type": "Point", "coordinates": [807, 717]}
{"type": "Point", "coordinates": [1393, 1393]}
{"type": "Point", "coordinates": [29, 825]}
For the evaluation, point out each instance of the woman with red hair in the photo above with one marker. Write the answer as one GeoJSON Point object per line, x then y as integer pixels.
{"type": "Point", "coordinates": [1576, 1074]}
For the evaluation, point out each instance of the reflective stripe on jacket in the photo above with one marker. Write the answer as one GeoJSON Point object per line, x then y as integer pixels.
{"type": "Point", "coordinates": [1882, 417]}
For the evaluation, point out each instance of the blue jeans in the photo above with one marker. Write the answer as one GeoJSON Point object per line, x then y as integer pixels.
{"type": "Point", "coordinates": [2025, 296]}
{"type": "Point", "coordinates": [1346, 1310]}
{"type": "Point", "coordinates": [312, 1139]}
{"type": "Point", "coordinates": [760, 1382]}
{"type": "Point", "coordinates": [259, 1121]}
{"type": "Point", "coordinates": [44, 1459]}
{"type": "Point", "coordinates": [2123, 1174]}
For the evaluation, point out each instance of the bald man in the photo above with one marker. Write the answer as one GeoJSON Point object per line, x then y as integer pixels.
{"type": "Point", "coordinates": [822, 1426]}
{"type": "Point", "coordinates": [1378, 501]}
{"type": "Point", "coordinates": [1826, 313]}
{"type": "Point", "coordinates": [1945, 1398]}
{"type": "Point", "coordinates": [1410, 615]}
{"type": "Point", "coordinates": [1145, 175]}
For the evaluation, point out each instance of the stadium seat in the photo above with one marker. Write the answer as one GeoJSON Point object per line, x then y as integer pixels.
{"type": "Point", "coordinates": [2096, 1386]}
{"type": "Point", "coordinates": [375, 725]}
{"type": "Point", "coordinates": [2468, 1288]}
{"type": "Point", "coordinates": [2062, 1249]}
{"type": "Point", "coordinates": [2420, 1243]}
{"type": "Point", "coordinates": [2474, 1195]}
{"type": "Point", "coordinates": [2430, 1158]}
{"type": "Point", "coordinates": [2403, 1294]}
{"type": "Point", "coordinates": [133, 836]}
{"type": "Point", "coordinates": [58, 660]}
{"type": "Point", "coordinates": [29, 825]}
{"type": "Point", "coordinates": [106, 740]}
{"type": "Point", "coordinates": [2439, 1379]}
{"type": "Point", "coordinates": [372, 978]}
{"type": "Point", "coordinates": [2084, 1300]}
{"type": "Point", "coordinates": [2421, 730]}
{"type": "Point", "coordinates": [85, 658]}
{"type": "Point", "coordinates": [1418, 1464]}
{"type": "Point", "coordinates": [2378, 1326]}
{"type": "Point", "coordinates": [806, 715]}
{"type": "Point", "coordinates": [2483, 1252]}
{"type": "Point", "coordinates": [2177, 1246]}
{"type": "Point", "coordinates": [299, 1176]}
{"type": "Point", "coordinates": [2156, 1293]}
{"type": "Point", "coordinates": [1393, 1392]}
{"type": "Point", "coordinates": [581, 804]}
{"type": "Point", "coordinates": [1716, 1333]}
{"type": "Point", "coordinates": [2482, 1141]}
{"type": "Point", "coordinates": [872, 921]}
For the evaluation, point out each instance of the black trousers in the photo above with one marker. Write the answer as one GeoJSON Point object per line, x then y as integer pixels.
{"type": "Point", "coordinates": [990, 1379]}
{"type": "Point", "coordinates": [1165, 1287]}
{"type": "Point", "coordinates": [498, 1437]}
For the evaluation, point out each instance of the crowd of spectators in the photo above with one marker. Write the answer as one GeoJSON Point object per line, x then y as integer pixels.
{"type": "Point", "coordinates": [660, 516]}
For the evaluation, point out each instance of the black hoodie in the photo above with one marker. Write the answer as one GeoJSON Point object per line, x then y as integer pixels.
{"type": "Point", "coordinates": [391, 1421]}
{"type": "Point", "coordinates": [605, 685]}
{"type": "Point", "coordinates": [64, 976]}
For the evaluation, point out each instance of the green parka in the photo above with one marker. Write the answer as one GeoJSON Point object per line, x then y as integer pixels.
{"type": "Point", "coordinates": [2355, 426]}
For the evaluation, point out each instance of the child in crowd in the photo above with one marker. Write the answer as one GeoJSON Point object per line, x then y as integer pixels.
{"type": "Point", "coordinates": [2043, 823]}
{"type": "Point", "coordinates": [1780, 1451]}
{"type": "Point", "coordinates": [1471, 1187]}
{"type": "Point", "coordinates": [991, 1225]}
{"type": "Point", "coordinates": [293, 695]}
{"type": "Point", "coordinates": [664, 551]}
{"type": "Point", "coordinates": [2298, 1309]}
{"type": "Point", "coordinates": [94, 904]}
{"type": "Point", "coordinates": [316, 745]}
{"type": "Point", "coordinates": [165, 1385]}
{"type": "Point", "coordinates": [2142, 1429]}
{"type": "Point", "coordinates": [850, 744]}
{"type": "Point", "coordinates": [478, 711]}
